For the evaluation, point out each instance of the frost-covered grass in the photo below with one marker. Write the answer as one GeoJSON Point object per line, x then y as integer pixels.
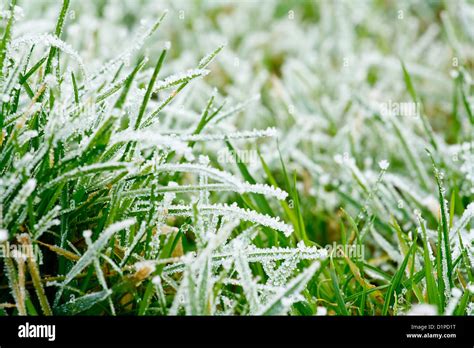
{"type": "Point", "coordinates": [207, 159]}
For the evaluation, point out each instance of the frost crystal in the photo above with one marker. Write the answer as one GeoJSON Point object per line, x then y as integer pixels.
{"type": "Point", "coordinates": [3, 235]}
{"type": "Point", "coordinates": [321, 311]}
{"type": "Point", "coordinates": [383, 164]}
{"type": "Point", "coordinates": [235, 212]}
{"type": "Point", "coordinates": [180, 78]}
{"type": "Point", "coordinates": [423, 309]}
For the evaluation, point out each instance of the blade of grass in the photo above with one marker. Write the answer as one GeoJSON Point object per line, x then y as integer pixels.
{"type": "Point", "coordinates": [6, 37]}
{"type": "Point", "coordinates": [396, 280]}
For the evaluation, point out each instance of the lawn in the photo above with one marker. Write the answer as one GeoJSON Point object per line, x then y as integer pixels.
{"type": "Point", "coordinates": [236, 157]}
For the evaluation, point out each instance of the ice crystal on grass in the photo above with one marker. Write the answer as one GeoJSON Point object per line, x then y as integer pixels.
{"type": "Point", "coordinates": [50, 41]}
{"type": "Point", "coordinates": [248, 284]}
{"type": "Point", "coordinates": [47, 221]}
{"type": "Point", "coordinates": [180, 78]}
{"type": "Point", "coordinates": [383, 164]}
{"type": "Point", "coordinates": [423, 309]}
{"type": "Point", "coordinates": [235, 212]}
{"type": "Point", "coordinates": [94, 248]}
{"type": "Point", "coordinates": [283, 299]}
{"type": "Point", "coordinates": [3, 235]}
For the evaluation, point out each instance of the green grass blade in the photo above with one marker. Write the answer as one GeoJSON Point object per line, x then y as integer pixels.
{"type": "Point", "coordinates": [396, 280]}
{"type": "Point", "coordinates": [6, 38]}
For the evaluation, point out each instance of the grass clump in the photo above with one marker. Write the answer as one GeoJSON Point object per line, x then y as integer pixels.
{"type": "Point", "coordinates": [124, 171]}
{"type": "Point", "coordinates": [125, 216]}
